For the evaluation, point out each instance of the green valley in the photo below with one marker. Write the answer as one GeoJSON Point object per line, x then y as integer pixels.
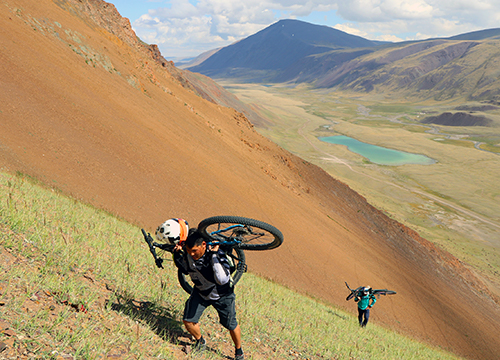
{"type": "Point", "coordinates": [453, 203]}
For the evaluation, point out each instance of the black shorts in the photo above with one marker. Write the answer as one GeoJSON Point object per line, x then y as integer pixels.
{"type": "Point", "coordinates": [225, 307]}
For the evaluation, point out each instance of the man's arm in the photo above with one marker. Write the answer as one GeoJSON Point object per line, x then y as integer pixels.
{"type": "Point", "coordinates": [221, 268]}
{"type": "Point", "coordinates": [179, 261]}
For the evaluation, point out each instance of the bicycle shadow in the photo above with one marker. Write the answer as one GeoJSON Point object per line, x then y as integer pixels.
{"type": "Point", "coordinates": [161, 320]}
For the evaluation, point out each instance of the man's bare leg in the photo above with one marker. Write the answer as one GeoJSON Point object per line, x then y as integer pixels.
{"type": "Point", "coordinates": [193, 329]}
{"type": "Point", "coordinates": [236, 336]}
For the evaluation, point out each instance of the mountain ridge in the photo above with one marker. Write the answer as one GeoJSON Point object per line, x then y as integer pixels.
{"type": "Point", "coordinates": [406, 69]}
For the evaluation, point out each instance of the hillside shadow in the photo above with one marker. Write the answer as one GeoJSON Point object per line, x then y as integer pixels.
{"type": "Point", "coordinates": [160, 319]}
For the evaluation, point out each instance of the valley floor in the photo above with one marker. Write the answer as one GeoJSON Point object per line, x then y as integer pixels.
{"type": "Point", "coordinates": [454, 203]}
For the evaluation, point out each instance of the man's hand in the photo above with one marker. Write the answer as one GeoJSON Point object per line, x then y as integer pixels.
{"type": "Point", "coordinates": [159, 263]}
{"type": "Point", "coordinates": [213, 248]}
{"type": "Point", "coordinates": [177, 248]}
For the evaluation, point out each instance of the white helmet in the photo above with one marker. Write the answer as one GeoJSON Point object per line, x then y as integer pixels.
{"type": "Point", "coordinates": [366, 290]}
{"type": "Point", "coordinates": [172, 230]}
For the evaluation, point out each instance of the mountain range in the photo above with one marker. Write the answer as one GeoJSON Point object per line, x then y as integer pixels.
{"type": "Point", "coordinates": [89, 110]}
{"type": "Point", "coordinates": [292, 51]}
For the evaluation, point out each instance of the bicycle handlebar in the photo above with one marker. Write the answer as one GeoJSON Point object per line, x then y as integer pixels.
{"type": "Point", "coordinates": [152, 248]}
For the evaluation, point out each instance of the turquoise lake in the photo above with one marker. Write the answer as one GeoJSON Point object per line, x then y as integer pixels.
{"type": "Point", "coordinates": [378, 154]}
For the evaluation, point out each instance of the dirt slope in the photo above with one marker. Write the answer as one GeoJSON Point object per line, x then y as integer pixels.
{"type": "Point", "coordinates": [93, 113]}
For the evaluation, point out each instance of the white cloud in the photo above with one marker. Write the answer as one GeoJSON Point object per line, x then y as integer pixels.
{"type": "Point", "coordinates": [209, 24]}
{"type": "Point", "coordinates": [419, 19]}
{"type": "Point", "coordinates": [408, 10]}
{"type": "Point", "coordinates": [391, 38]}
{"type": "Point", "coordinates": [188, 28]}
{"type": "Point", "coordinates": [351, 29]}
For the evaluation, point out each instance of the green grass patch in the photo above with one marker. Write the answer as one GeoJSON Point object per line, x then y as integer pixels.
{"type": "Point", "coordinates": [377, 123]}
{"type": "Point", "coordinates": [489, 142]}
{"type": "Point", "coordinates": [80, 282]}
{"type": "Point", "coordinates": [488, 139]}
{"type": "Point", "coordinates": [392, 108]}
{"type": "Point", "coordinates": [492, 148]}
{"type": "Point", "coordinates": [415, 128]}
{"type": "Point", "coordinates": [463, 143]}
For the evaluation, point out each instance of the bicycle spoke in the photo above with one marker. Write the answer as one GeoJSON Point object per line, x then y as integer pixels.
{"type": "Point", "coordinates": [243, 234]}
{"type": "Point", "coordinates": [246, 233]}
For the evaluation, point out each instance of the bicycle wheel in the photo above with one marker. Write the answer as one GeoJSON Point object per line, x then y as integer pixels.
{"type": "Point", "coordinates": [235, 256]}
{"type": "Point", "coordinates": [185, 283]}
{"type": "Point", "coordinates": [354, 293]}
{"type": "Point", "coordinates": [383, 292]}
{"type": "Point", "coordinates": [249, 233]}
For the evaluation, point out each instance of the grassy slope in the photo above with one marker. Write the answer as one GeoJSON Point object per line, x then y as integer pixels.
{"type": "Point", "coordinates": [76, 281]}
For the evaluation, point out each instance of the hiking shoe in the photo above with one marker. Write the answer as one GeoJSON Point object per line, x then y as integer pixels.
{"type": "Point", "coordinates": [199, 345]}
{"type": "Point", "coordinates": [239, 357]}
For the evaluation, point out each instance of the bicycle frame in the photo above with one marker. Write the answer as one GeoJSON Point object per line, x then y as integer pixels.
{"type": "Point", "coordinates": [225, 243]}
{"type": "Point", "coordinates": [377, 292]}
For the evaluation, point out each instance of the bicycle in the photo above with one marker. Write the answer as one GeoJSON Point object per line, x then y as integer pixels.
{"type": "Point", "coordinates": [356, 292]}
{"type": "Point", "coordinates": [233, 234]}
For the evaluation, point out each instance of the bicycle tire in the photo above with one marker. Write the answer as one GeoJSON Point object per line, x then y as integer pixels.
{"type": "Point", "coordinates": [240, 267]}
{"type": "Point", "coordinates": [183, 281]}
{"type": "Point", "coordinates": [354, 292]}
{"type": "Point", "coordinates": [268, 238]}
{"type": "Point", "coordinates": [383, 292]}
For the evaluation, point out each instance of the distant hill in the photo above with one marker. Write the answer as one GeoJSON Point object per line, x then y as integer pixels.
{"type": "Point", "coordinates": [293, 51]}
{"type": "Point", "coordinates": [190, 62]}
{"type": "Point", "coordinates": [478, 35]}
{"type": "Point", "coordinates": [277, 47]}
{"type": "Point", "coordinates": [439, 69]}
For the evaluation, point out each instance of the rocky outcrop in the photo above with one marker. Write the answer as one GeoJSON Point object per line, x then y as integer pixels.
{"type": "Point", "coordinates": [103, 15]}
{"type": "Point", "coordinates": [458, 119]}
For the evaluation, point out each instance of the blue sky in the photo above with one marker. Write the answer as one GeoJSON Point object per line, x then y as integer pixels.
{"type": "Point", "coordinates": [187, 28]}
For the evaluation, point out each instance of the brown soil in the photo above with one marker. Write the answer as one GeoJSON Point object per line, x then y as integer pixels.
{"type": "Point", "coordinates": [87, 110]}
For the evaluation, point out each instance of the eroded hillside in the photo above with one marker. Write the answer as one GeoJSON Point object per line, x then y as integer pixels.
{"type": "Point", "coordinates": [90, 110]}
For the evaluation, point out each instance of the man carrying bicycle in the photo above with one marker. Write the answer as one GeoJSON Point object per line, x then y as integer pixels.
{"type": "Point", "coordinates": [209, 270]}
{"type": "Point", "coordinates": [365, 302]}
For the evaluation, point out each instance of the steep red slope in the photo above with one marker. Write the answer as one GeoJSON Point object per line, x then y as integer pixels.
{"type": "Point", "coordinates": [89, 111]}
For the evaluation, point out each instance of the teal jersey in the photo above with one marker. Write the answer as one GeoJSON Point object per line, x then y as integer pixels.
{"type": "Point", "coordinates": [364, 301]}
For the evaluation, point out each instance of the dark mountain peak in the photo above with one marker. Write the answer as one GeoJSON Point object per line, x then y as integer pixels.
{"type": "Point", "coordinates": [277, 47]}
{"type": "Point", "coordinates": [318, 34]}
